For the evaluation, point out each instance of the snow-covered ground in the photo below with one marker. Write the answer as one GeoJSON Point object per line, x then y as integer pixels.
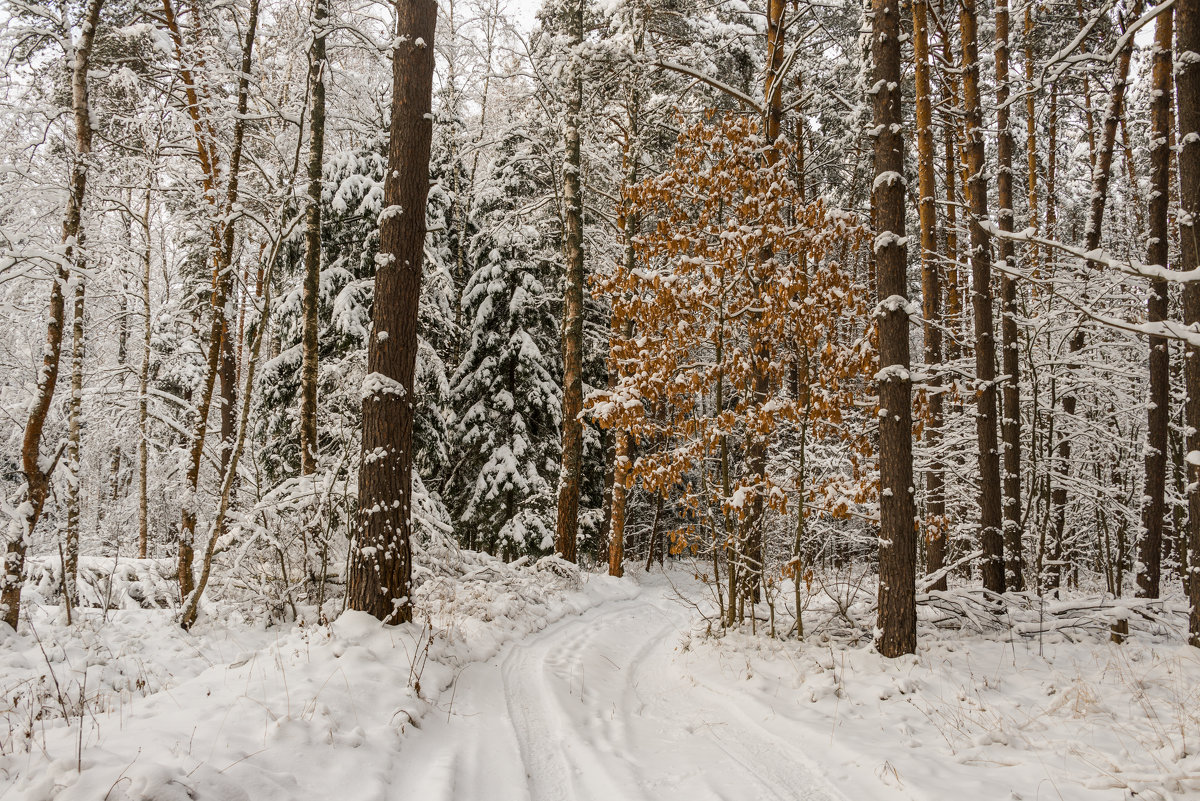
{"type": "Point", "coordinates": [530, 682]}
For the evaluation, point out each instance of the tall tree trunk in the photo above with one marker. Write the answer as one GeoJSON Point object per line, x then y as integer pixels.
{"type": "Point", "coordinates": [317, 67]}
{"type": "Point", "coordinates": [1187, 91]}
{"type": "Point", "coordinates": [751, 527]}
{"type": "Point", "coordinates": [627, 224]}
{"type": "Point", "coordinates": [381, 556]}
{"type": "Point", "coordinates": [74, 433]}
{"type": "Point", "coordinates": [37, 470]}
{"type": "Point", "coordinates": [191, 603]}
{"type": "Point", "coordinates": [1050, 571]}
{"type": "Point", "coordinates": [144, 387]}
{"type": "Point", "coordinates": [897, 535]}
{"type": "Point", "coordinates": [656, 549]}
{"type": "Point", "coordinates": [990, 536]}
{"type": "Point", "coordinates": [567, 528]}
{"type": "Point", "coordinates": [220, 361]}
{"type": "Point", "coordinates": [931, 292]}
{"type": "Point", "coordinates": [1158, 414]}
{"type": "Point", "coordinates": [954, 301]}
{"type": "Point", "coordinates": [1031, 150]}
{"type": "Point", "coordinates": [1010, 426]}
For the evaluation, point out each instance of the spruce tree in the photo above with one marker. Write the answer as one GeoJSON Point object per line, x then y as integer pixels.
{"type": "Point", "coordinates": [506, 393]}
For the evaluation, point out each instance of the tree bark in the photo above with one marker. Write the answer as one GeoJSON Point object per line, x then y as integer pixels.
{"type": "Point", "coordinates": [990, 536]}
{"type": "Point", "coordinates": [751, 527]}
{"type": "Point", "coordinates": [310, 302]}
{"type": "Point", "coordinates": [74, 434]}
{"type": "Point", "coordinates": [897, 536]}
{"type": "Point", "coordinates": [1187, 89]}
{"type": "Point", "coordinates": [616, 542]}
{"type": "Point", "coordinates": [1050, 569]}
{"type": "Point", "coordinates": [220, 361]}
{"type": "Point", "coordinates": [1010, 425]}
{"type": "Point", "coordinates": [567, 528]}
{"type": "Point", "coordinates": [381, 556]}
{"type": "Point", "coordinates": [1158, 413]}
{"type": "Point", "coordinates": [36, 467]}
{"type": "Point", "coordinates": [1031, 151]}
{"type": "Point", "coordinates": [931, 292]}
{"type": "Point", "coordinates": [627, 224]}
{"type": "Point", "coordinates": [144, 387]}
{"type": "Point", "coordinates": [954, 302]}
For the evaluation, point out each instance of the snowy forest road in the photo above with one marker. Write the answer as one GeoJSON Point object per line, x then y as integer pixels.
{"type": "Point", "coordinates": [595, 707]}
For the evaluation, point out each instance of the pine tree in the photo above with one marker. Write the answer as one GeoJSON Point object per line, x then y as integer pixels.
{"type": "Point", "coordinates": [505, 393]}
{"type": "Point", "coordinates": [381, 557]}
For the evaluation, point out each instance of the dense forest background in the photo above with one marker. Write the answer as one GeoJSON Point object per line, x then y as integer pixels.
{"type": "Point", "coordinates": [667, 277]}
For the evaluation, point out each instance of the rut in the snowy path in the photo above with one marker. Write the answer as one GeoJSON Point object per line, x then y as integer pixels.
{"type": "Point", "coordinates": [593, 707]}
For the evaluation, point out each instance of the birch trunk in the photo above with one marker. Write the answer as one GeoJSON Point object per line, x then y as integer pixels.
{"type": "Point", "coordinates": [36, 466]}
{"type": "Point", "coordinates": [219, 358]}
{"type": "Point", "coordinates": [144, 387]}
{"type": "Point", "coordinates": [70, 564]}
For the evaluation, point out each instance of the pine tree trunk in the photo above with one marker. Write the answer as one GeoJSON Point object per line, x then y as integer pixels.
{"type": "Point", "coordinates": [1149, 572]}
{"type": "Point", "coordinates": [37, 471]}
{"type": "Point", "coordinates": [381, 556]}
{"type": "Point", "coordinates": [1011, 424]}
{"type": "Point", "coordinates": [567, 528]}
{"type": "Point", "coordinates": [1187, 89]}
{"type": "Point", "coordinates": [1031, 149]}
{"type": "Point", "coordinates": [312, 241]}
{"type": "Point", "coordinates": [897, 535]}
{"type": "Point", "coordinates": [954, 302]}
{"type": "Point", "coordinates": [931, 292]}
{"type": "Point", "coordinates": [1050, 571]}
{"type": "Point", "coordinates": [990, 536]}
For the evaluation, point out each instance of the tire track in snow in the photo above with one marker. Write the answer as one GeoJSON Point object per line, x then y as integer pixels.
{"type": "Point", "coordinates": [594, 708]}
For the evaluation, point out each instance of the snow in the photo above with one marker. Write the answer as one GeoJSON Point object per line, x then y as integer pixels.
{"type": "Point", "coordinates": [378, 384]}
{"type": "Point", "coordinates": [235, 710]}
{"type": "Point", "coordinates": [535, 681]}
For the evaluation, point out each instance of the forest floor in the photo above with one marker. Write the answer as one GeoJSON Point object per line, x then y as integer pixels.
{"type": "Point", "coordinates": [532, 682]}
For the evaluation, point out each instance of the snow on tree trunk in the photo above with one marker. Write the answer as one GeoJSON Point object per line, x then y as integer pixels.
{"type": "Point", "coordinates": [36, 465]}
{"type": "Point", "coordinates": [897, 628]}
{"type": "Point", "coordinates": [381, 554]}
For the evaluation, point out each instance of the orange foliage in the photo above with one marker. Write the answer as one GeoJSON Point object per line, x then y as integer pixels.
{"type": "Point", "coordinates": [734, 278]}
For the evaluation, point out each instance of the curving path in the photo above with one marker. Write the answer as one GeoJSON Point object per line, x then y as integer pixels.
{"type": "Point", "coordinates": [594, 708]}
